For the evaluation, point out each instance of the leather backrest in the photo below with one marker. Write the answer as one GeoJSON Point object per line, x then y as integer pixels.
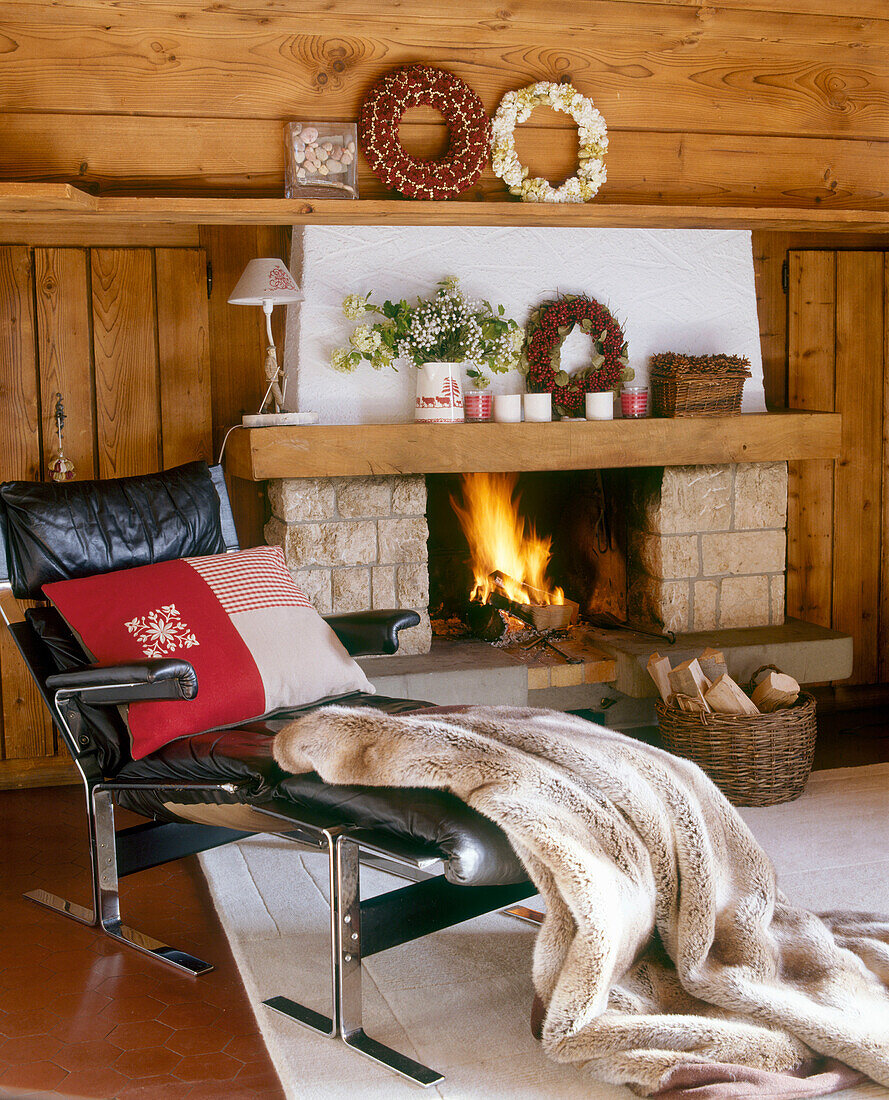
{"type": "Point", "coordinates": [58, 531]}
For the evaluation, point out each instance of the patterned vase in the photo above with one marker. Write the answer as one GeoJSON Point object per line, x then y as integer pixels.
{"type": "Point", "coordinates": [439, 396]}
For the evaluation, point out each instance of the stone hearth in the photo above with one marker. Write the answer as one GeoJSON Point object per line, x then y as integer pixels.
{"type": "Point", "coordinates": [706, 545]}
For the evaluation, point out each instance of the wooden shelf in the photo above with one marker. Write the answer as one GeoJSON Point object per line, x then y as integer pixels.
{"type": "Point", "coordinates": [41, 202]}
{"type": "Point", "coordinates": [257, 454]}
{"type": "Point", "coordinates": [20, 200]}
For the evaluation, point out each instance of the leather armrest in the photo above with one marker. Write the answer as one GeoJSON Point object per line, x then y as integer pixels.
{"type": "Point", "coordinates": [370, 633]}
{"type": "Point", "coordinates": [160, 678]}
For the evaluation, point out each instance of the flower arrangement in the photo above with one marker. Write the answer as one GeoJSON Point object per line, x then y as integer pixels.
{"type": "Point", "coordinates": [548, 326]}
{"type": "Point", "coordinates": [516, 107]}
{"type": "Point", "coordinates": [448, 327]}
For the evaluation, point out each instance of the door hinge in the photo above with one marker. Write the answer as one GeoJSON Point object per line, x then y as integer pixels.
{"type": "Point", "coordinates": [785, 276]}
{"type": "Point", "coordinates": [209, 278]}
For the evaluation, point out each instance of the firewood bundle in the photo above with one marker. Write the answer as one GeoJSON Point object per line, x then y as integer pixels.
{"type": "Point", "coordinates": [703, 685]}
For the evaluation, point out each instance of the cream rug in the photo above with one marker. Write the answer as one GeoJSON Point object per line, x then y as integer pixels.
{"type": "Point", "coordinates": [459, 1000]}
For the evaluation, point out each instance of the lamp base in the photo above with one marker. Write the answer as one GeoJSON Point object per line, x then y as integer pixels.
{"type": "Point", "coordinates": [277, 420]}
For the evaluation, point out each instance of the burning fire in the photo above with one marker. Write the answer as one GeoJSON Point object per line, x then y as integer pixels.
{"type": "Point", "coordinates": [502, 542]}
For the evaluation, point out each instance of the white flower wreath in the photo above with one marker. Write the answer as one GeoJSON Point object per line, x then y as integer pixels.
{"type": "Point", "coordinates": [515, 107]}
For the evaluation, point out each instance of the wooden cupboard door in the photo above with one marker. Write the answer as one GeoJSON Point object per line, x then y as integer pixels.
{"type": "Point", "coordinates": [27, 731]}
{"type": "Point", "coordinates": [64, 338]}
{"type": "Point", "coordinates": [183, 341]}
{"type": "Point", "coordinates": [122, 335]}
{"type": "Point", "coordinates": [837, 536]}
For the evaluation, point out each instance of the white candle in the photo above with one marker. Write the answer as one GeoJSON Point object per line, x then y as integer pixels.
{"type": "Point", "coordinates": [600, 406]}
{"type": "Point", "coordinates": [508, 408]}
{"type": "Point", "coordinates": [538, 406]}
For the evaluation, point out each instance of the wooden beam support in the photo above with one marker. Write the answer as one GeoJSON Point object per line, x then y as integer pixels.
{"type": "Point", "coordinates": [354, 449]}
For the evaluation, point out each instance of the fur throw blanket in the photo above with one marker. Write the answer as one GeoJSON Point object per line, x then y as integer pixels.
{"type": "Point", "coordinates": [668, 960]}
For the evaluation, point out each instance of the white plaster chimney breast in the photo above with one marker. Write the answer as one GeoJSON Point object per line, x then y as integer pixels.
{"type": "Point", "coordinates": [684, 290]}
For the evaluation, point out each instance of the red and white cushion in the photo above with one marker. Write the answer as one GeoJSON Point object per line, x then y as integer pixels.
{"type": "Point", "coordinates": [253, 637]}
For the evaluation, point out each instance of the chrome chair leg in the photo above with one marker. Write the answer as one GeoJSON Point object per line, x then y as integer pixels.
{"type": "Point", "coordinates": [308, 1017]}
{"type": "Point", "coordinates": [345, 954]}
{"type": "Point", "coordinates": [522, 912]}
{"type": "Point", "coordinates": [347, 907]}
{"type": "Point", "coordinates": [72, 909]}
{"type": "Point", "coordinates": [106, 900]}
{"type": "Point", "coordinates": [109, 898]}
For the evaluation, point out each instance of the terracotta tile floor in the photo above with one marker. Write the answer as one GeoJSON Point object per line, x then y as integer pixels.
{"type": "Point", "coordinates": [81, 1016]}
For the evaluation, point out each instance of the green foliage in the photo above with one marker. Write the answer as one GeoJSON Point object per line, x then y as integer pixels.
{"type": "Point", "coordinates": [447, 327]}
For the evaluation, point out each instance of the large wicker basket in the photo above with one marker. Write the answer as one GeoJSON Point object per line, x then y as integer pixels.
{"type": "Point", "coordinates": [696, 395]}
{"type": "Point", "coordinates": [755, 760]}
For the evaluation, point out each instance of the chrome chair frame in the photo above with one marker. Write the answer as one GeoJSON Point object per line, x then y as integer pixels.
{"type": "Point", "coordinates": [103, 852]}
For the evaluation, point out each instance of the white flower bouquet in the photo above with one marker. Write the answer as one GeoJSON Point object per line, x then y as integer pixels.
{"type": "Point", "coordinates": [448, 327]}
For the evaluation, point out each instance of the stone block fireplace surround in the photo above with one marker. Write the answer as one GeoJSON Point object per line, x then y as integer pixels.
{"type": "Point", "coordinates": [705, 545]}
{"type": "Point", "coordinates": [705, 539]}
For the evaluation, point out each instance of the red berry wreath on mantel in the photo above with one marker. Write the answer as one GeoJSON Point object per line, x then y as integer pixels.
{"type": "Point", "coordinates": [469, 130]}
{"type": "Point", "coordinates": [548, 326]}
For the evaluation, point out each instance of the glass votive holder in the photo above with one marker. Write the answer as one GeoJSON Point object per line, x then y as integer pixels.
{"type": "Point", "coordinates": [477, 406]}
{"type": "Point", "coordinates": [320, 160]}
{"type": "Point", "coordinates": [599, 406]}
{"type": "Point", "coordinates": [538, 407]}
{"type": "Point", "coordinates": [633, 402]}
{"type": "Point", "coordinates": [508, 408]}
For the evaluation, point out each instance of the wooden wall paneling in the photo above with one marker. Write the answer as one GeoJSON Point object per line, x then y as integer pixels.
{"type": "Point", "coordinates": [26, 732]}
{"type": "Point", "coordinates": [237, 343]}
{"type": "Point", "coordinates": [62, 234]}
{"type": "Point", "coordinates": [125, 353]}
{"type": "Point", "coordinates": [769, 254]}
{"type": "Point", "coordinates": [770, 249]}
{"type": "Point", "coordinates": [207, 153]}
{"type": "Point", "coordinates": [19, 409]}
{"type": "Point", "coordinates": [183, 339]}
{"type": "Point", "coordinates": [811, 374]}
{"type": "Point", "coordinates": [62, 294]}
{"type": "Point", "coordinates": [664, 63]}
{"type": "Point", "coordinates": [858, 478]}
{"type": "Point", "coordinates": [884, 549]}
{"type": "Point", "coordinates": [487, 13]}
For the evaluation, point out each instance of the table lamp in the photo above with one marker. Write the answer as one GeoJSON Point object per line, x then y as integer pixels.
{"type": "Point", "coordinates": [268, 283]}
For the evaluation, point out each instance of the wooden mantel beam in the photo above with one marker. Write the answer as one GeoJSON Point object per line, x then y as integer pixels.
{"type": "Point", "coordinates": [342, 450]}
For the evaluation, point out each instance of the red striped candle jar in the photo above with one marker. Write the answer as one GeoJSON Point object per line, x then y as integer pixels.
{"type": "Point", "coordinates": [477, 406]}
{"type": "Point", "coordinates": [633, 402]}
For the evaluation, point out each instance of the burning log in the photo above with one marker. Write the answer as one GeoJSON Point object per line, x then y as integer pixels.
{"type": "Point", "coordinates": [518, 610]}
{"type": "Point", "coordinates": [485, 621]}
{"type": "Point", "coordinates": [541, 615]}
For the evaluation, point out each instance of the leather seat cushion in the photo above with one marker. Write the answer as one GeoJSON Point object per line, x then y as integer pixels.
{"type": "Point", "coordinates": [474, 850]}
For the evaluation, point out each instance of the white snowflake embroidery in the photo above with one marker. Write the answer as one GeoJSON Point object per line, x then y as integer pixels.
{"type": "Point", "coordinates": [162, 632]}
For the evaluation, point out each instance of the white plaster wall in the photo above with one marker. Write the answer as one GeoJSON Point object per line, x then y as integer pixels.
{"type": "Point", "coordinates": [684, 290]}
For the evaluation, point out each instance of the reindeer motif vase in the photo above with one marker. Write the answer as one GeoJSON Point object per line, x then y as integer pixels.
{"type": "Point", "coordinates": [439, 395]}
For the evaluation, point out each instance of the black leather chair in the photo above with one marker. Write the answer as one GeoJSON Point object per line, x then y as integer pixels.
{"type": "Point", "coordinates": [203, 791]}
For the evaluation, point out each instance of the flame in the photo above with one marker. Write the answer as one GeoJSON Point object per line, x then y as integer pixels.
{"type": "Point", "coordinates": [500, 540]}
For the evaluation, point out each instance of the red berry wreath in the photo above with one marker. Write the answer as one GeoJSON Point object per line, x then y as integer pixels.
{"type": "Point", "coordinates": [550, 323]}
{"type": "Point", "coordinates": [469, 130]}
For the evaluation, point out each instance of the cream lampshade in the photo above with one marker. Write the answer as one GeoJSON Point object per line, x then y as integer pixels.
{"type": "Point", "coordinates": [267, 283]}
